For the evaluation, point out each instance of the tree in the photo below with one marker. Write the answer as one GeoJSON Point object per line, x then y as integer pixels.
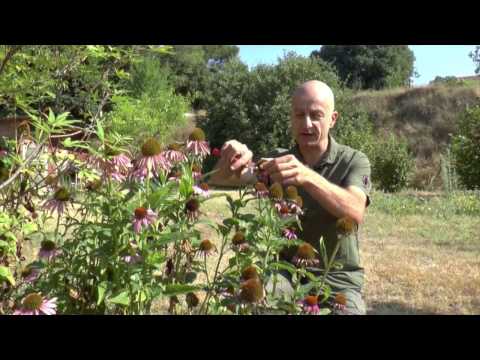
{"type": "Point", "coordinates": [192, 65]}
{"type": "Point", "coordinates": [475, 55]}
{"type": "Point", "coordinates": [370, 66]}
{"type": "Point", "coordinates": [254, 106]}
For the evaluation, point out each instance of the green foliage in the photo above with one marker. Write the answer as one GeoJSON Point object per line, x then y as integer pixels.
{"type": "Point", "coordinates": [192, 67]}
{"type": "Point", "coordinates": [254, 106]}
{"type": "Point", "coordinates": [466, 148]}
{"type": "Point", "coordinates": [475, 56]}
{"type": "Point", "coordinates": [463, 203]}
{"type": "Point", "coordinates": [354, 127]}
{"type": "Point", "coordinates": [154, 109]}
{"type": "Point", "coordinates": [370, 66]}
{"type": "Point", "coordinates": [79, 79]}
{"type": "Point", "coordinates": [392, 164]}
{"type": "Point", "coordinates": [448, 81]}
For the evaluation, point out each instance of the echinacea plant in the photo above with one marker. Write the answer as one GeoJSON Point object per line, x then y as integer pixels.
{"type": "Point", "coordinates": [131, 234]}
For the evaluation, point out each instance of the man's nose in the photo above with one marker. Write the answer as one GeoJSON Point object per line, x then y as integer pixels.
{"type": "Point", "coordinates": [308, 121]}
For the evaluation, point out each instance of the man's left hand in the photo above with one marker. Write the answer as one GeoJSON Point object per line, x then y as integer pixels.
{"type": "Point", "coordinates": [287, 170]}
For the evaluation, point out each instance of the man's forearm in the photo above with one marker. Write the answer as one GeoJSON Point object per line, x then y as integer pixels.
{"type": "Point", "coordinates": [335, 199]}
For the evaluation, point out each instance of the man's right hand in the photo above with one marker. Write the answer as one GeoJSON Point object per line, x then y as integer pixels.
{"type": "Point", "coordinates": [235, 157]}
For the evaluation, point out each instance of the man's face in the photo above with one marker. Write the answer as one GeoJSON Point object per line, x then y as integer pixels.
{"type": "Point", "coordinates": [312, 119]}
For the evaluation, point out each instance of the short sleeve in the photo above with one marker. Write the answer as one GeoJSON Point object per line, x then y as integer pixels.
{"type": "Point", "coordinates": [359, 174]}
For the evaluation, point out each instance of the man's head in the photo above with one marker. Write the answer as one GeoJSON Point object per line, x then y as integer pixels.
{"type": "Point", "coordinates": [313, 113]}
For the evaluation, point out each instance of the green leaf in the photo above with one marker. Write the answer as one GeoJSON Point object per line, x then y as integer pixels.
{"type": "Point", "coordinates": [100, 132]}
{"type": "Point", "coordinates": [7, 275]}
{"type": "Point", "coordinates": [284, 266]}
{"type": "Point", "coordinates": [121, 299]}
{"type": "Point", "coordinates": [101, 289]}
{"type": "Point", "coordinates": [178, 289]}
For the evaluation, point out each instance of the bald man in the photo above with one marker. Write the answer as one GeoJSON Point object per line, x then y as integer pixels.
{"type": "Point", "coordinates": [332, 179]}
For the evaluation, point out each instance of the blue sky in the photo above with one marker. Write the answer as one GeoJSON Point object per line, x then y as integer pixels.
{"type": "Point", "coordinates": [431, 60]}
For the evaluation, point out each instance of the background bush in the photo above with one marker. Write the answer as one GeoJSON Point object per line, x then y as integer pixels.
{"type": "Point", "coordinates": [254, 106]}
{"type": "Point", "coordinates": [466, 148]}
{"type": "Point", "coordinates": [152, 108]}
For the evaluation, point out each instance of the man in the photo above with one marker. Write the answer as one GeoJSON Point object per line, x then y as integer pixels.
{"type": "Point", "coordinates": [332, 179]}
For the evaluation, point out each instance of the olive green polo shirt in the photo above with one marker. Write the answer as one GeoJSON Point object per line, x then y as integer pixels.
{"type": "Point", "coordinates": [342, 166]}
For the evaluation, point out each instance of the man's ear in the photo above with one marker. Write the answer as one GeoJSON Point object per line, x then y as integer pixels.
{"type": "Point", "coordinates": [334, 119]}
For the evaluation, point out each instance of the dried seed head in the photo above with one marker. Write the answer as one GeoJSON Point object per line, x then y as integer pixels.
{"type": "Point", "coordinates": [47, 245]}
{"type": "Point", "coordinates": [62, 194]}
{"type": "Point", "coordinates": [249, 272]}
{"type": "Point", "coordinates": [203, 186]}
{"type": "Point", "coordinates": [346, 226]}
{"type": "Point", "coordinates": [192, 205]}
{"type": "Point", "coordinates": [306, 252]}
{"type": "Point", "coordinates": [291, 193]}
{"type": "Point", "coordinates": [151, 147]}
{"type": "Point", "coordinates": [299, 201]}
{"type": "Point", "coordinates": [251, 291]}
{"type": "Point", "coordinates": [238, 238]}
{"type": "Point", "coordinates": [260, 187]}
{"type": "Point", "coordinates": [94, 185]}
{"type": "Point", "coordinates": [197, 135]}
{"type": "Point", "coordinates": [32, 301]}
{"type": "Point", "coordinates": [196, 168]}
{"type": "Point", "coordinates": [206, 246]}
{"type": "Point", "coordinates": [140, 213]}
{"type": "Point", "coordinates": [311, 300]}
{"type": "Point", "coordinates": [276, 191]}
{"type": "Point", "coordinates": [340, 299]}
{"type": "Point", "coordinates": [192, 300]}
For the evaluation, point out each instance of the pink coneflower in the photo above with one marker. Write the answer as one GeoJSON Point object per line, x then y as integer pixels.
{"type": "Point", "coordinates": [3, 153]}
{"type": "Point", "coordinates": [289, 233]}
{"type": "Point", "coordinates": [196, 172]}
{"type": "Point", "coordinates": [310, 305]}
{"type": "Point", "coordinates": [294, 208]}
{"type": "Point", "coordinates": [305, 256]}
{"type": "Point", "coordinates": [35, 304]}
{"type": "Point", "coordinates": [197, 145]}
{"type": "Point", "coordinates": [132, 258]}
{"type": "Point", "coordinates": [48, 250]}
{"type": "Point", "coordinates": [59, 202]}
{"type": "Point", "coordinates": [261, 190]}
{"type": "Point", "coordinates": [340, 302]}
{"type": "Point", "coordinates": [251, 291]}
{"type": "Point", "coordinates": [276, 191]}
{"type": "Point", "coordinates": [239, 243]}
{"type": "Point", "coordinates": [174, 155]}
{"type": "Point", "coordinates": [191, 209]}
{"type": "Point", "coordinates": [175, 175]}
{"type": "Point", "coordinates": [143, 217]}
{"type": "Point", "coordinates": [152, 160]}
{"type": "Point", "coordinates": [30, 274]}
{"type": "Point", "coordinates": [206, 248]}
{"type": "Point", "coordinates": [201, 190]}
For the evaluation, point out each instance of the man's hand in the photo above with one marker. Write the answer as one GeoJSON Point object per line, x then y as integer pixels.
{"type": "Point", "coordinates": [287, 170]}
{"type": "Point", "coordinates": [234, 159]}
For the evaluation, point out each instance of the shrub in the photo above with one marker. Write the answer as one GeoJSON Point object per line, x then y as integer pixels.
{"type": "Point", "coordinates": [392, 164]}
{"type": "Point", "coordinates": [153, 109]}
{"type": "Point", "coordinates": [254, 106]}
{"type": "Point", "coordinates": [466, 148]}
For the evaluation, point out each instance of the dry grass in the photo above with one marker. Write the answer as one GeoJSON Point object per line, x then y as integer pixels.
{"type": "Point", "coordinates": [414, 264]}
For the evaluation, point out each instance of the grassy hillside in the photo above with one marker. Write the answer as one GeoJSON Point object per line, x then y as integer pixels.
{"type": "Point", "coordinates": [426, 116]}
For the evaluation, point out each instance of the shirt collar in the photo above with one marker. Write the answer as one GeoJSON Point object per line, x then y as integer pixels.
{"type": "Point", "coordinates": [327, 158]}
